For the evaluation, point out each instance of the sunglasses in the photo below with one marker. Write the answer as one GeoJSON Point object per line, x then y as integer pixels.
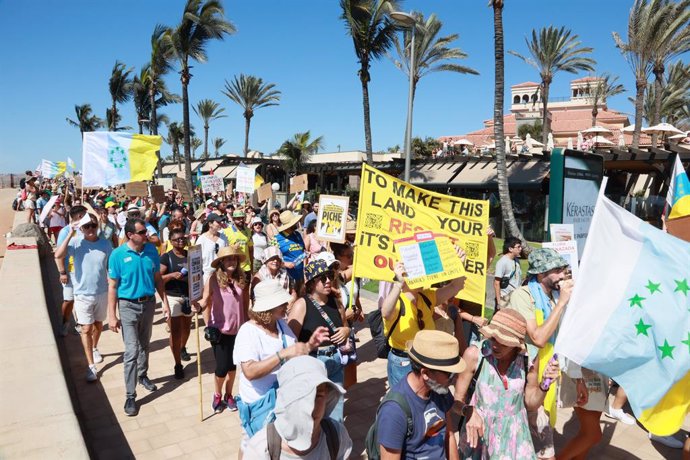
{"type": "Point", "coordinates": [141, 232]}
{"type": "Point", "coordinates": [90, 226]}
{"type": "Point", "coordinates": [330, 276]}
{"type": "Point", "coordinates": [180, 240]}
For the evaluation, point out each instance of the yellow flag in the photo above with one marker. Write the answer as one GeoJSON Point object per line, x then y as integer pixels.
{"type": "Point", "coordinates": [258, 181]}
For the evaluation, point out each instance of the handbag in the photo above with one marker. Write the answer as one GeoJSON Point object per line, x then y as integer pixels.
{"type": "Point", "coordinates": [212, 334]}
{"type": "Point", "coordinates": [348, 350]}
{"type": "Point", "coordinates": [254, 416]}
{"type": "Point", "coordinates": [505, 281]}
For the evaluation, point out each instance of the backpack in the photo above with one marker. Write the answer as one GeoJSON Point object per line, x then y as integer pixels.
{"type": "Point", "coordinates": [372, 440]}
{"type": "Point", "coordinates": [375, 321]}
{"type": "Point", "coordinates": [327, 425]}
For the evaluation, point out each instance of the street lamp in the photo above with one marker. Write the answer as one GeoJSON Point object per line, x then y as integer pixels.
{"type": "Point", "coordinates": [408, 21]}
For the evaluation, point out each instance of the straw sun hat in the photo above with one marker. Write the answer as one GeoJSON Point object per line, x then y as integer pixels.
{"type": "Point", "coordinates": [436, 350]}
{"type": "Point", "coordinates": [228, 251]}
{"type": "Point", "coordinates": [269, 294]}
{"type": "Point", "coordinates": [288, 219]}
{"type": "Point", "coordinates": [508, 327]}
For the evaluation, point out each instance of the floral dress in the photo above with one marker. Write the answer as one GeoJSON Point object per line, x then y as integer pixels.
{"type": "Point", "coordinates": [506, 431]}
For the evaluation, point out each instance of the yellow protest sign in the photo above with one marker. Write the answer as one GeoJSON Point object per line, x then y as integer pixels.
{"type": "Point", "coordinates": [391, 209]}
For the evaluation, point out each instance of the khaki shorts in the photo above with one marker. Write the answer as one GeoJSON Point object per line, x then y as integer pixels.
{"type": "Point", "coordinates": [91, 308]}
{"type": "Point", "coordinates": [176, 304]}
{"type": "Point", "coordinates": [542, 433]}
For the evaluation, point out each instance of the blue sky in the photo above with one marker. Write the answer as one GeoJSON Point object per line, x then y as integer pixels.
{"type": "Point", "coordinates": [58, 54]}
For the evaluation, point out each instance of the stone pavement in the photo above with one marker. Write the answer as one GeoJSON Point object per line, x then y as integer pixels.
{"type": "Point", "coordinates": [169, 426]}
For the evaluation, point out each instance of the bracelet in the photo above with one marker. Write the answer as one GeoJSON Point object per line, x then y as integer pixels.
{"type": "Point", "coordinates": [281, 361]}
{"type": "Point", "coordinates": [63, 273]}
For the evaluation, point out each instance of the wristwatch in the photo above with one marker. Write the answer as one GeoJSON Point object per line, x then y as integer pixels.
{"type": "Point", "coordinates": [63, 273]}
{"type": "Point", "coordinates": [280, 360]}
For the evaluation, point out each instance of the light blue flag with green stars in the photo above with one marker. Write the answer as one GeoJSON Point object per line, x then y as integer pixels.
{"type": "Point", "coordinates": [629, 315]}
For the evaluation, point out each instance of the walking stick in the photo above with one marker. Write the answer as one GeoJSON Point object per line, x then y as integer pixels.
{"type": "Point", "coordinates": [198, 367]}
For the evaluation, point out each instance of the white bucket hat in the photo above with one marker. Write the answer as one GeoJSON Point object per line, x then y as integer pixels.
{"type": "Point", "coordinates": [297, 382]}
{"type": "Point", "coordinates": [329, 258]}
{"type": "Point", "coordinates": [269, 294]}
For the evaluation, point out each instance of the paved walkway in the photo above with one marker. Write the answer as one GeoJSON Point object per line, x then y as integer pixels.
{"type": "Point", "coordinates": [168, 423]}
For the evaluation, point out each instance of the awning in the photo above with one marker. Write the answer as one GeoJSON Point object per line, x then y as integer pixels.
{"type": "Point", "coordinates": [208, 165]}
{"type": "Point", "coordinates": [233, 173]}
{"type": "Point", "coordinates": [171, 169]}
{"type": "Point", "coordinates": [224, 171]}
{"type": "Point", "coordinates": [433, 174]}
{"type": "Point", "coordinates": [521, 174]}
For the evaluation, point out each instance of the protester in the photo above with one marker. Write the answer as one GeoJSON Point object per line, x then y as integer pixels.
{"type": "Point", "coordinates": [273, 268]}
{"type": "Point", "coordinates": [496, 423]}
{"type": "Point", "coordinates": [106, 229]}
{"type": "Point", "coordinates": [134, 272]}
{"type": "Point", "coordinates": [303, 428]}
{"type": "Point", "coordinates": [542, 303]}
{"type": "Point", "coordinates": [320, 308]}
{"type": "Point", "coordinates": [57, 219]}
{"type": "Point", "coordinates": [41, 202]}
{"type": "Point", "coordinates": [508, 274]}
{"type": "Point", "coordinates": [237, 233]}
{"type": "Point", "coordinates": [225, 311]}
{"type": "Point", "coordinates": [174, 272]}
{"type": "Point", "coordinates": [312, 244]}
{"type": "Point", "coordinates": [211, 242]}
{"type": "Point", "coordinates": [66, 273]}
{"type": "Point", "coordinates": [30, 200]}
{"type": "Point", "coordinates": [134, 212]}
{"type": "Point", "coordinates": [435, 362]}
{"type": "Point", "coordinates": [407, 311]}
{"type": "Point", "coordinates": [291, 245]}
{"type": "Point", "coordinates": [263, 345]}
{"type": "Point", "coordinates": [312, 216]}
{"type": "Point", "coordinates": [90, 257]}
{"type": "Point", "coordinates": [273, 224]}
{"type": "Point", "coordinates": [197, 225]}
{"type": "Point", "coordinates": [259, 243]}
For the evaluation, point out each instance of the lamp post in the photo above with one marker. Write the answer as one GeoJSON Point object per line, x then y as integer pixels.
{"type": "Point", "coordinates": [408, 21]}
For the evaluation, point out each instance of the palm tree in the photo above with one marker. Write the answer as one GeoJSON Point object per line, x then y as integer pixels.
{"type": "Point", "coordinates": [250, 93]}
{"type": "Point", "coordinates": [208, 110]}
{"type": "Point", "coordinates": [298, 150]}
{"type": "Point", "coordinates": [202, 21]}
{"type": "Point", "coordinates": [218, 143]}
{"type": "Point", "coordinates": [499, 137]}
{"type": "Point", "coordinates": [160, 64]}
{"type": "Point", "coordinates": [114, 121]}
{"type": "Point", "coordinates": [431, 51]}
{"type": "Point", "coordinates": [120, 86]}
{"type": "Point", "coordinates": [672, 40]}
{"type": "Point", "coordinates": [675, 94]}
{"type": "Point", "coordinates": [196, 143]}
{"type": "Point", "coordinates": [605, 87]}
{"type": "Point", "coordinates": [553, 50]}
{"type": "Point", "coordinates": [86, 121]}
{"type": "Point", "coordinates": [372, 32]}
{"type": "Point", "coordinates": [140, 97]}
{"type": "Point", "coordinates": [644, 23]}
{"type": "Point", "coordinates": [174, 138]}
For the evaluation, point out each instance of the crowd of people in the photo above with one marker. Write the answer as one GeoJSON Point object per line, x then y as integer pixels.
{"type": "Point", "coordinates": [279, 308]}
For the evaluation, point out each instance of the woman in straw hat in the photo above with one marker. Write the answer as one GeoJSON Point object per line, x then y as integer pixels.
{"type": "Point", "coordinates": [506, 386]}
{"type": "Point", "coordinates": [273, 223]}
{"type": "Point", "coordinates": [321, 308]}
{"type": "Point", "coordinates": [263, 345]}
{"type": "Point", "coordinates": [291, 244]}
{"type": "Point", "coordinates": [225, 311]}
{"type": "Point", "coordinates": [273, 269]}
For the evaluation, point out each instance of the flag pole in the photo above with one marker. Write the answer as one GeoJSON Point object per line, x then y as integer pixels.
{"type": "Point", "coordinates": [198, 367]}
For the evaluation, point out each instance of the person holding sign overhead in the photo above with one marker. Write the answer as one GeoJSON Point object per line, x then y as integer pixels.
{"type": "Point", "coordinates": [407, 311]}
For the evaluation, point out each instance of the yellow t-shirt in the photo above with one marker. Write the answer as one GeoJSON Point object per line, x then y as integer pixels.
{"type": "Point", "coordinates": [243, 239]}
{"type": "Point", "coordinates": [407, 327]}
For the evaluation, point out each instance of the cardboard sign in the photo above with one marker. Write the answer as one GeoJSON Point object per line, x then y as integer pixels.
{"type": "Point", "coordinates": [211, 184]}
{"type": "Point", "coordinates": [299, 183]}
{"type": "Point", "coordinates": [331, 220]}
{"type": "Point", "coordinates": [77, 182]}
{"type": "Point", "coordinates": [181, 186]}
{"type": "Point", "coordinates": [679, 227]}
{"type": "Point", "coordinates": [158, 193]}
{"type": "Point", "coordinates": [429, 258]}
{"type": "Point", "coordinates": [245, 179]}
{"type": "Point", "coordinates": [265, 192]}
{"type": "Point", "coordinates": [229, 189]}
{"type": "Point", "coordinates": [136, 189]}
{"type": "Point", "coordinates": [195, 275]}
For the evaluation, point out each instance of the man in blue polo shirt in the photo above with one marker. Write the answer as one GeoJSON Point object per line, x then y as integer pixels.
{"type": "Point", "coordinates": [134, 277]}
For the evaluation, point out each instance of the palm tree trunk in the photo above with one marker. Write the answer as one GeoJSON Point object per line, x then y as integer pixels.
{"type": "Point", "coordinates": [499, 135]}
{"type": "Point", "coordinates": [113, 116]}
{"type": "Point", "coordinates": [367, 120]}
{"type": "Point", "coordinates": [154, 121]}
{"type": "Point", "coordinates": [595, 113]}
{"type": "Point", "coordinates": [658, 89]}
{"type": "Point", "coordinates": [545, 124]}
{"type": "Point", "coordinates": [205, 142]}
{"type": "Point", "coordinates": [185, 130]}
{"type": "Point", "coordinates": [247, 122]}
{"type": "Point", "coordinates": [640, 86]}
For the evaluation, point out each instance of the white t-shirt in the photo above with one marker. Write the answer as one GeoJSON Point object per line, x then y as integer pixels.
{"type": "Point", "coordinates": [257, 447]}
{"type": "Point", "coordinates": [254, 344]}
{"type": "Point", "coordinates": [208, 252]}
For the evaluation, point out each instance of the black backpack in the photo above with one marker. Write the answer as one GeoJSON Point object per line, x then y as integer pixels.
{"type": "Point", "coordinates": [372, 440]}
{"type": "Point", "coordinates": [327, 425]}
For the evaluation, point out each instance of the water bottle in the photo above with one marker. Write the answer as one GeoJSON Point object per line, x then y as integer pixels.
{"type": "Point", "coordinates": [546, 383]}
{"type": "Point", "coordinates": [184, 271]}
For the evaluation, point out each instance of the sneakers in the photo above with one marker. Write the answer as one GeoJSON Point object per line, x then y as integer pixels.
{"type": "Point", "coordinates": [218, 405]}
{"type": "Point", "coordinates": [619, 415]}
{"type": "Point", "coordinates": [230, 403]}
{"type": "Point", "coordinates": [64, 329]}
{"type": "Point", "coordinates": [92, 373]}
{"type": "Point", "coordinates": [97, 358]}
{"type": "Point", "coordinates": [184, 355]}
{"type": "Point", "coordinates": [131, 407]}
{"type": "Point", "coordinates": [179, 372]}
{"type": "Point", "coordinates": [668, 441]}
{"type": "Point", "coordinates": [147, 383]}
